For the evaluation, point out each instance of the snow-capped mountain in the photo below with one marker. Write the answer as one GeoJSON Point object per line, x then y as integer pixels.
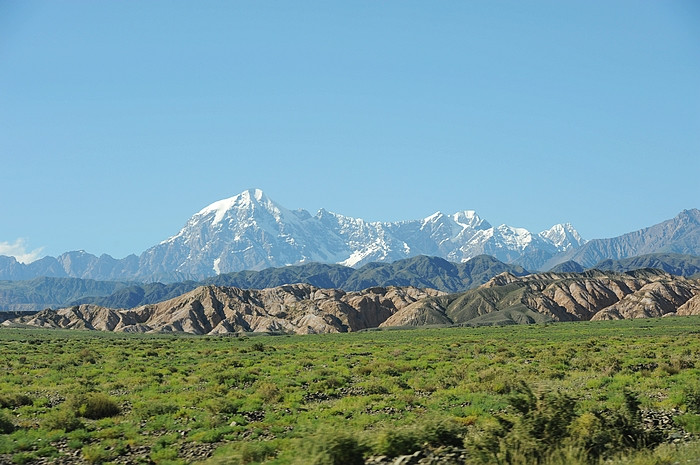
{"type": "Point", "coordinates": [250, 231]}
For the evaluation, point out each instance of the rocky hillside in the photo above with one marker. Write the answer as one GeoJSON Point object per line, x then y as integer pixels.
{"type": "Point", "coordinates": [298, 308]}
{"type": "Point", "coordinates": [305, 309]}
{"type": "Point", "coordinates": [592, 295]}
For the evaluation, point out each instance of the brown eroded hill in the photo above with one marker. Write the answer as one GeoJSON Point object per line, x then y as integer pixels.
{"type": "Point", "coordinates": [298, 308]}
{"type": "Point", "coordinates": [592, 295]}
{"type": "Point", "coordinates": [305, 309]}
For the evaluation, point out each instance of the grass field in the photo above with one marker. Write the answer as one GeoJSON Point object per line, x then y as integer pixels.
{"type": "Point", "coordinates": [626, 391]}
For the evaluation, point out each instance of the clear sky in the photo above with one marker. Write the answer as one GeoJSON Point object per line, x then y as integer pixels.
{"type": "Point", "coordinates": [121, 119]}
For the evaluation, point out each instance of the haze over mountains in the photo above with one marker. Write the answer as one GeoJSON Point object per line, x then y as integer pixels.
{"type": "Point", "coordinates": [252, 232]}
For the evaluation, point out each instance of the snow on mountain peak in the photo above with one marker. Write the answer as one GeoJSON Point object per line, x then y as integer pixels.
{"type": "Point", "coordinates": [244, 200]}
{"type": "Point", "coordinates": [433, 218]}
{"type": "Point", "coordinates": [517, 238]}
{"type": "Point", "coordinates": [469, 219]}
{"type": "Point", "coordinates": [219, 208]}
{"type": "Point", "coordinates": [563, 236]}
{"type": "Point", "coordinates": [250, 231]}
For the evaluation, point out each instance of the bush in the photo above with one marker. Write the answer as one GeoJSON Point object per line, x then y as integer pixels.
{"type": "Point", "coordinates": [61, 419]}
{"type": "Point", "coordinates": [689, 422]}
{"type": "Point", "coordinates": [6, 425]}
{"type": "Point", "coordinates": [251, 452]}
{"type": "Point", "coordinates": [155, 408]}
{"type": "Point", "coordinates": [333, 448]}
{"type": "Point", "coordinates": [94, 405]}
{"type": "Point", "coordinates": [395, 442]}
{"type": "Point", "coordinates": [541, 426]}
{"type": "Point", "coordinates": [95, 454]}
{"type": "Point", "coordinates": [14, 400]}
{"type": "Point", "coordinates": [692, 399]}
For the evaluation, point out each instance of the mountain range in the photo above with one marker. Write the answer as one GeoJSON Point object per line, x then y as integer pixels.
{"type": "Point", "coordinates": [252, 232]}
{"type": "Point", "coordinates": [679, 235]}
{"type": "Point", "coordinates": [421, 271]}
{"type": "Point", "coordinates": [305, 309]}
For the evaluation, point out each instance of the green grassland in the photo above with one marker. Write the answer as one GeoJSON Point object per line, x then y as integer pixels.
{"type": "Point", "coordinates": [581, 392]}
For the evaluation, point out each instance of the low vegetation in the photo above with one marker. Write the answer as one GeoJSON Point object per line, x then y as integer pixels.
{"type": "Point", "coordinates": [583, 393]}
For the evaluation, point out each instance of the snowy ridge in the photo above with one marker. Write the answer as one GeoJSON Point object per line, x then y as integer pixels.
{"type": "Point", "coordinates": [251, 231]}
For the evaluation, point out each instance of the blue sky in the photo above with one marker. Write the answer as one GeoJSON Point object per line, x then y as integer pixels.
{"type": "Point", "coordinates": [119, 120]}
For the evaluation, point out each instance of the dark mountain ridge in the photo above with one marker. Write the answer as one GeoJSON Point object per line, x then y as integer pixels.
{"type": "Point", "coordinates": [421, 272]}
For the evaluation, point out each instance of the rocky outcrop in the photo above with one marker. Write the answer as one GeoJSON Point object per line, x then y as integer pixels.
{"type": "Point", "coordinates": [592, 295]}
{"type": "Point", "coordinates": [691, 307]}
{"type": "Point", "coordinates": [297, 308]}
{"type": "Point", "coordinates": [652, 300]}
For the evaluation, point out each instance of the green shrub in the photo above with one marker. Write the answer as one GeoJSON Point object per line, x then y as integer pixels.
{"type": "Point", "coordinates": [692, 399]}
{"type": "Point", "coordinates": [403, 441]}
{"type": "Point", "coordinates": [22, 458]}
{"type": "Point", "coordinates": [395, 442]}
{"type": "Point", "coordinates": [245, 453]}
{"type": "Point", "coordinates": [332, 448]}
{"type": "Point", "coordinates": [689, 422]}
{"type": "Point", "coordinates": [13, 400]}
{"type": "Point", "coordinates": [95, 454]}
{"type": "Point", "coordinates": [163, 454]}
{"type": "Point", "coordinates": [442, 433]}
{"type": "Point", "coordinates": [61, 419]}
{"type": "Point", "coordinates": [539, 426]}
{"type": "Point", "coordinates": [6, 425]}
{"type": "Point", "coordinates": [258, 347]}
{"type": "Point", "coordinates": [269, 392]}
{"type": "Point", "coordinates": [155, 408]}
{"type": "Point", "coordinates": [94, 405]}
{"type": "Point", "coordinates": [47, 451]}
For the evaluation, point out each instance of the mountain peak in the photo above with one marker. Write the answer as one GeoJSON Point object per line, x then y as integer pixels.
{"type": "Point", "coordinates": [244, 200]}
{"type": "Point", "coordinates": [564, 236]}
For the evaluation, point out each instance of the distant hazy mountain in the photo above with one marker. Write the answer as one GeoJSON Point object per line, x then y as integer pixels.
{"type": "Point", "coordinates": [419, 272]}
{"type": "Point", "coordinates": [77, 264]}
{"type": "Point", "coordinates": [41, 293]}
{"type": "Point", "coordinates": [676, 264]}
{"type": "Point", "coordinates": [252, 232]}
{"type": "Point", "coordinates": [567, 267]}
{"type": "Point", "coordinates": [680, 235]}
